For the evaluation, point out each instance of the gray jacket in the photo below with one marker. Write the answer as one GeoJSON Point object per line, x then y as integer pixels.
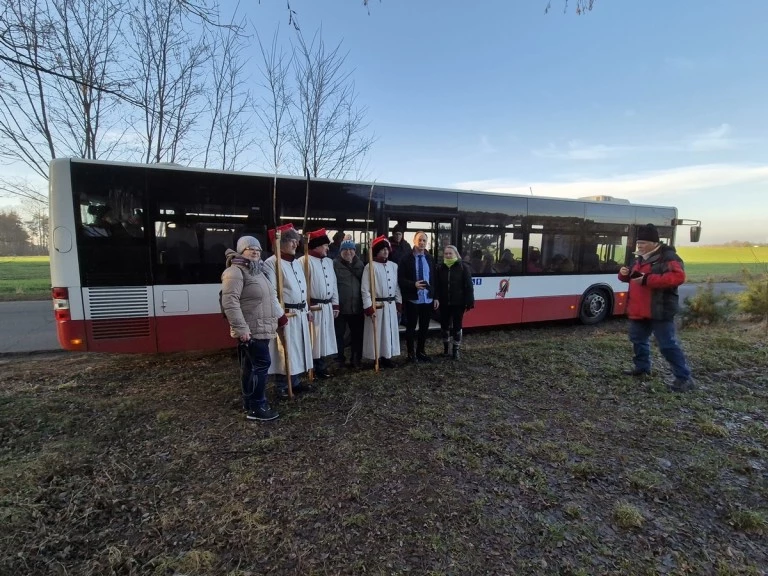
{"type": "Point", "coordinates": [348, 280]}
{"type": "Point", "coordinates": [249, 301]}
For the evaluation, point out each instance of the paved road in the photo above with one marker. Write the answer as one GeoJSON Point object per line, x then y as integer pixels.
{"type": "Point", "coordinates": [30, 327]}
{"type": "Point", "coordinates": [27, 327]}
{"type": "Point", "coordinates": [727, 287]}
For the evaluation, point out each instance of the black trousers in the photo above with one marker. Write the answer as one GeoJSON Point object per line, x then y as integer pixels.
{"type": "Point", "coordinates": [254, 365]}
{"type": "Point", "coordinates": [414, 313]}
{"type": "Point", "coordinates": [355, 323]}
{"type": "Point", "coordinates": [451, 319]}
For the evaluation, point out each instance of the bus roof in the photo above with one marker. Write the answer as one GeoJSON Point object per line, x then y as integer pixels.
{"type": "Point", "coordinates": [598, 199]}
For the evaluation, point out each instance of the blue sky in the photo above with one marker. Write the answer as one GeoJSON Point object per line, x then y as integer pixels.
{"type": "Point", "coordinates": [655, 101]}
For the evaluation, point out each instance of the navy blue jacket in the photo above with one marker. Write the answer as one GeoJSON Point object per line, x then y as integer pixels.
{"type": "Point", "coordinates": [406, 276]}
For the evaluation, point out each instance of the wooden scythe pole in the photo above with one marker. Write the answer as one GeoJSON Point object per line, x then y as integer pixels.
{"type": "Point", "coordinates": [308, 274]}
{"type": "Point", "coordinates": [279, 277]}
{"type": "Point", "coordinates": [372, 282]}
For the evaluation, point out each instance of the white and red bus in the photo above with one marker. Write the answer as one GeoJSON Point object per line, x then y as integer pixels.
{"type": "Point", "coordinates": [137, 251]}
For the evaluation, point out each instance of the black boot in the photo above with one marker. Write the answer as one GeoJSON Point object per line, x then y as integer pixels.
{"type": "Point", "coordinates": [446, 343]}
{"type": "Point", "coordinates": [455, 351]}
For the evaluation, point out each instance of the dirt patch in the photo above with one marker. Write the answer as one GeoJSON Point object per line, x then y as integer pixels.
{"type": "Point", "coordinates": [533, 455]}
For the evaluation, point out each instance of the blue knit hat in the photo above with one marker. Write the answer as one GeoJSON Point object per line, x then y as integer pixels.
{"type": "Point", "coordinates": [348, 245]}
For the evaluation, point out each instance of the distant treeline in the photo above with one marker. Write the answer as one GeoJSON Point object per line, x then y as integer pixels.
{"type": "Point", "coordinates": [737, 244]}
{"type": "Point", "coordinates": [19, 237]}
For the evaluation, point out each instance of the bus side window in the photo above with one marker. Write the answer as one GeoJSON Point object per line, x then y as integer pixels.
{"type": "Point", "coordinates": [605, 248]}
{"type": "Point", "coordinates": [100, 221]}
{"type": "Point", "coordinates": [216, 244]}
{"type": "Point", "coordinates": [534, 265]}
{"type": "Point", "coordinates": [590, 263]}
{"type": "Point", "coordinates": [182, 247]}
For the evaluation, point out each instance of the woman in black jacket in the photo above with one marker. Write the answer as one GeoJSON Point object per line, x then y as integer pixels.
{"type": "Point", "coordinates": [456, 294]}
{"type": "Point", "coordinates": [349, 273]}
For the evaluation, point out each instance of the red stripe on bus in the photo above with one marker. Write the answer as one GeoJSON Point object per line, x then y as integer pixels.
{"type": "Point", "coordinates": [619, 303]}
{"type": "Point", "coordinates": [211, 331]}
{"type": "Point", "coordinates": [196, 332]}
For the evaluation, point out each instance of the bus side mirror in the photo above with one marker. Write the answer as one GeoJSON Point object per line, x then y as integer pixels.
{"type": "Point", "coordinates": [695, 233]}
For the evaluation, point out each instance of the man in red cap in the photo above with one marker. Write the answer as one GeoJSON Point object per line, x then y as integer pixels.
{"type": "Point", "coordinates": [323, 298]}
{"type": "Point", "coordinates": [387, 295]}
{"type": "Point", "coordinates": [294, 299]}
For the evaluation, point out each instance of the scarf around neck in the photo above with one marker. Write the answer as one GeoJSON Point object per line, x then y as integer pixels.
{"type": "Point", "coordinates": [252, 267]}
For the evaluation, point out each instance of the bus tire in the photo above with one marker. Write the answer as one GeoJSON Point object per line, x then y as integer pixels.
{"type": "Point", "coordinates": [595, 306]}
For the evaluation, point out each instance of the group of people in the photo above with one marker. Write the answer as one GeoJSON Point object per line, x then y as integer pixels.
{"type": "Point", "coordinates": [106, 223]}
{"type": "Point", "coordinates": [292, 314]}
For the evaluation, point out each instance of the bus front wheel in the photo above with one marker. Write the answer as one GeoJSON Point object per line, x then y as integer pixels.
{"type": "Point", "coordinates": [594, 306]}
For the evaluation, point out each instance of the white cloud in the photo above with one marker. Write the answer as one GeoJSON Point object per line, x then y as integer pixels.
{"type": "Point", "coordinates": [578, 150]}
{"type": "Point", "coordinates": [634, 186]}
{"type": "Point", "coordinates": [711, 140]}
{"type": "Point", "coordinates": [714, 139]}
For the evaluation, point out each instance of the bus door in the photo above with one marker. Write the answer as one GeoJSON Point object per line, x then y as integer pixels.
{"type": "Point", "coordinates": [113, 249]}
{"type": "Point", "coordinates": [445, 235]}
{"type": "Point", "coordinates": [440, 233]}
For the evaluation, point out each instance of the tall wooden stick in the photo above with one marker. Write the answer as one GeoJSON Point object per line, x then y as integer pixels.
{"type": "Point", "coordinates": [308, 274]}
{"type": "Point", "coordinates": [306, 201]}
{"type": "Point", "coordinates": [372, 281]}
{"type": "Point", "coordinates": [308, 279]}
{"type": "Point", "coordinates": [279, 276]}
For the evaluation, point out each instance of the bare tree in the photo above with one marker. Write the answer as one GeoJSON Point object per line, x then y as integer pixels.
{"type": "Point", "coordinates": [229, 131]}
{"type": "Point", "coordinates": [26, 135]}
{"type": "Point", "coordinates": [87, 38]}
{"type": "Point", "coordinates": [328, 129]}
{"type": "Point", "coordinates": [23, 189]}
{"type": "Point", "coordinates": [58, 59]}
{"type": "Point", "coordinates": [273, 107]}
{"type": "Point", "coordinates": [582, 6]}
{"type": "Point", "coordinates": [36, 222]}
{"type": "Point", "coordinates": [168, 62]}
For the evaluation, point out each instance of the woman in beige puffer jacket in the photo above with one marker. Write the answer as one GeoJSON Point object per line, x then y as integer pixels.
{"type": "Point", "coordinates": [250, 303]}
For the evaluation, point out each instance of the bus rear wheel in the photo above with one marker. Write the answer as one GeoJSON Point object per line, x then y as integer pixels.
{"type": "Point", "coordinates": [594, 306]}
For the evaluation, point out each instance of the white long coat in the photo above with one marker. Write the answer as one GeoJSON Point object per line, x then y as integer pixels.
{"type": "Point", "coordinates": [387, 324]}
{"type": "Point", "coordinates": [322, 286]}
{"type": "Point", "coordinates": [297, 329]}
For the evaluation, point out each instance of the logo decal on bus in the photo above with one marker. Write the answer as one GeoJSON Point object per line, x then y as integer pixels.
{"type": "Point", "coordinates": [503, 288]}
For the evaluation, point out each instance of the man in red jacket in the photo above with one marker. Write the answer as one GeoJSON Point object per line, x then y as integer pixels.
{"type": "Point", "coordinates": [653, 303]}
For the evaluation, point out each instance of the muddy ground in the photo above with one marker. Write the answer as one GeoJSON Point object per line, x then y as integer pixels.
{"type": "Point", "coordinates": [532, 455]}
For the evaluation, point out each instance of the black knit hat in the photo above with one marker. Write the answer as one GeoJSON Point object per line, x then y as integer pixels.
{"type": "Point", "coordinates": [648, 233]}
